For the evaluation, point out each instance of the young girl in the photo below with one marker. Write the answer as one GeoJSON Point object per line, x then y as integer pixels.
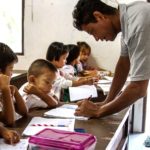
{"type": "Point", "coordinates": [85, 51]}
{"type": "Point", "coordinates": [10, 136]}
{"type": "Point", "coordinates": [83, 67]}
{"type": "Point", "coordinates": [72, 60]}
{"type": "Point", "coordinates": [10, 99]}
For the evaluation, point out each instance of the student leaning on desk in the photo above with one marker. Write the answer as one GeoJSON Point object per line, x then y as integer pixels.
{"type": "Point", "coordinates": [104, 20]}
{"type": "Point", "coordinates": [37, 91]}
{"type": "Point", "coordinates": [11, 102]}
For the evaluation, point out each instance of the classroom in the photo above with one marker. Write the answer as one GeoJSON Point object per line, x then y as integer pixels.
{"type": "Point", "coordinates": [45, 25]}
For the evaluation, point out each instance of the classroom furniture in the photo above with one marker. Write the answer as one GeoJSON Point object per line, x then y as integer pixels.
{"type": "Point", "coordinates": [20, 79]}
{"type": "Point", "coordinates": [112, 132]}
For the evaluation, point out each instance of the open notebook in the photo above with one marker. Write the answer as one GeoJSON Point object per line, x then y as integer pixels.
{"type": "Point", "coordinates": [82, 92]}
{"type": "Point", "coordinates": [22, 145]}
{"type": "Point", "coordinates": [38, 123]}
{"type": "Point", "coordinates": [64, 111]}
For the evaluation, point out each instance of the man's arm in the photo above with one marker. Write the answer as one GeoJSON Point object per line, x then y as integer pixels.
{"type": "Point", "coordinates": [132, 93]}
{"type": "Point", "coordinates": [120, 76]}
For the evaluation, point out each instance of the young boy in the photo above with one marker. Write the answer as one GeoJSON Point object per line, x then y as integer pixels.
{"type": "Point", "coordinates": [57, 54]}
{"type": "Point", "coordinates": [10, 99]}
{"type": "Point", "coordinates": [37, 91]}
{"type": "Point", "coordinates": [10, 136]}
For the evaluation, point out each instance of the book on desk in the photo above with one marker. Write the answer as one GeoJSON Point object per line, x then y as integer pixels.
{"type": "Point", "coordinates": [65, 111]}
{"type": "Point", "coordinates": [39, 123]}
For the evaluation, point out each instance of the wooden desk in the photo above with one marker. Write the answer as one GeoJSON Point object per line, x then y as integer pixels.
{"type": "Point", "coordinates": [111, 132]}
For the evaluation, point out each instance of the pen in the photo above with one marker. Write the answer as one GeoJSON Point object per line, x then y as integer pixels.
{"type": "Point", "coordinates": [60, 125]}
{"type": "Point", "coordinates": [89, 98]}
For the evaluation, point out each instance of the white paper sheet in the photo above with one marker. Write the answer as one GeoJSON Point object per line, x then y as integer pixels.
{"type": "Point", "coordinates": [64, 111]}
{"type": "Point", "coordinates": [108, 78]}
{"type": "Point", "coordinates": [22, 145]}
{"type": "Point", "coordinates": [38, 123]}
{"type": "Point", "coordinates": [105, 88]}
{"type": "Point", "coordinates": [82, 92]}
{"type": "Point", "coordinates": [104, 82]}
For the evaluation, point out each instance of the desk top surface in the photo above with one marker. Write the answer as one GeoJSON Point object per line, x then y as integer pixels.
{"type": "Point", "coordinates": [104, 129]}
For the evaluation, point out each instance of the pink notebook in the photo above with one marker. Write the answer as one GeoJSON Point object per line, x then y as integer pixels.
{"type": "Point", "coordinates": [52, 139]}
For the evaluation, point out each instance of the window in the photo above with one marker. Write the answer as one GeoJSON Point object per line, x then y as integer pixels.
{"type": "Point", "coordinates": [11, 24]}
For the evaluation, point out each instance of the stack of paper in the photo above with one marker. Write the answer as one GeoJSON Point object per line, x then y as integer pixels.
{"type": "Point", "coordinates": [64, 111]}
{"type": "Point", "coordinates": [38, 123]}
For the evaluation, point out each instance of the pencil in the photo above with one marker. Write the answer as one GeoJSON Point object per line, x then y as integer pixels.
{"type": "Point", "coordinates": [89, 98]}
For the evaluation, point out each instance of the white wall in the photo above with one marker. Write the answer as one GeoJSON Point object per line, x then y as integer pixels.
{"type": "Point", "coordinates": [51, 20]}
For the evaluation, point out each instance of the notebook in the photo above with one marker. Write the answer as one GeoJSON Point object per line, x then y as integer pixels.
{"type": "Point", "coordinates": [22, 145]}
{"type": "Point", "coordinates": [39, 123]}
{"type": "Point", "coordinates": [64, 111]}
{"type": "Point", "coordinates": [82, 92]}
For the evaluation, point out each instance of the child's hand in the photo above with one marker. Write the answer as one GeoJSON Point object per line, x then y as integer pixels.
{"type": "Point", "coordinates": [91, 80]}
{"type": "Point", "coordinates": [10, 136]}
{"type": "Point", "coordinates": [4, 81]}
{"type": "Point", "coordinates": [31, 89]}
{"type": "Point", "coordinates": [13, 90]}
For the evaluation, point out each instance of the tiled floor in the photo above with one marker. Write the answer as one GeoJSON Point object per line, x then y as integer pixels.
{"type": "Point", "coordinates": [136, 140]}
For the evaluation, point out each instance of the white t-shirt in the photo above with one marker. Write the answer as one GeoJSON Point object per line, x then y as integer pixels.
{"type": "Point", "coordinates": [135, 42]}
{"type": "Point", "coordinates": [68, 72]}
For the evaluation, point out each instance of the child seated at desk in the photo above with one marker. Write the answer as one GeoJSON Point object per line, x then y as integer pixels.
{"type": "Point", "coordinates": [71, 61]}
{"type": "Point", "coordinates": [57, 54]}
{"type": "Point", "coordinates": [10, 136]}
{"type": "Point", "coordinates": [10, 99]}
{"type": "Point", "coordinates": [83, 67]}
{"type": "Point", "coordinates": [37, 91]}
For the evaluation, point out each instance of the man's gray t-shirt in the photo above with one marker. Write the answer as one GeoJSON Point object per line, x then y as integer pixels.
{"type": "Point", "coordinates": [135, 42]}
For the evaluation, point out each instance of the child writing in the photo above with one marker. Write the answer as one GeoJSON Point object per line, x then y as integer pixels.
{"type": "Point", "coordinates": [10, 99]}
{"type": "Point", "coordinates": [83, 67]}
{"type": "Point", "coordinates": [37, 91]}
{"type": "Point", "coordinates": [72, 60]}
{"type": "Point", "coordinates": [57, 54]}
{"type": "Point", "coordinates": [10, 136]}
{"type": "Point", "coordinates": [85, 51]}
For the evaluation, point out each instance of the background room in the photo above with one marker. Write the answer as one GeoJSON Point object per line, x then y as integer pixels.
{"type": "Point", "coordinates": [46, 21]}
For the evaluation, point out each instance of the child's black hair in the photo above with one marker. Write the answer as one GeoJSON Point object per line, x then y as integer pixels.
{"type": "Point", "coordinates": [7, 56]}
{"type": "Point", "coordinates": [74, 52]}
{"type": "Point", "coordinates": [55, 51]}
{"type": "Point", "coordinates": [37, 66]}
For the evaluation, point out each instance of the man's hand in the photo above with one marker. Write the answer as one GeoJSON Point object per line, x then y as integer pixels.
{"type": "Point", "coordinates": [87, 108]}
